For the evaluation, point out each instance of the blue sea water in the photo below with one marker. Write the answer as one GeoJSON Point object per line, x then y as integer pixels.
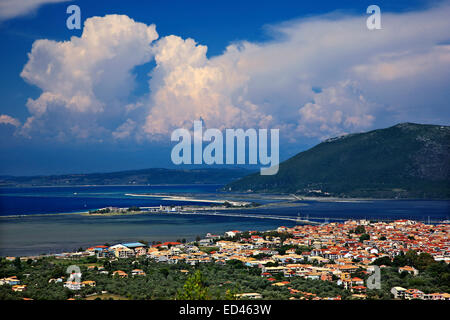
{"type": "Point", "coordinates": [43, 200]}
{"type": "Point", "coordinates": [29, 223]}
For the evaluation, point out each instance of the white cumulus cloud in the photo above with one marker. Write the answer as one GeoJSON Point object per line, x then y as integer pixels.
{"type": "Point", "coordinates": [86, 80]}
{"type": "Point", "coordinates": [187, 86]}
{"type": "Point", "coordinates": [334, 110]}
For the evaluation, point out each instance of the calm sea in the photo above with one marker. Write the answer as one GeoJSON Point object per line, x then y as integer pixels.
{"type": "Point", "coordinates": [29, 223]}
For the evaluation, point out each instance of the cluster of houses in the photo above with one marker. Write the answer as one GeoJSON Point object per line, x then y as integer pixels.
{"type": "Point", "coordinates": [410, 294]}
{"type": "Point", "coordinates": [14, 283]}
{"type": "Point", "coordinates": [335, 253]}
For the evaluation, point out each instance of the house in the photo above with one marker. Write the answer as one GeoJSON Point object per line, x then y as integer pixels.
{"type": "Point", "coordinates": [398, 292]}
{"type": "Point", "coordinates": [140, 251]}
{"type": "Point", "coordinates": [358, 289]}
{"type": "Point", "coordinates": [99, 251]}
{"type": "Point", "coordinates": [411, 294]}
{"type": "Point", "coordinates": [357, 281]}
{"type": "Point", "coordinates": [437, 296]}
{"type": "Point", "coordinates": [231, 234]}
{"type": "Point", "coordinates": [90, 283]}
{"type": "Point", "coordinates": [167, 245]}
{"type": "Point", "coordinates": [280, 284]}
{"type": "Point", "coordinates": [137, 272]}
{"type": "Point", "coordinates": [10, 280]}
{"type": "Point", "coordinates": [205, 242]}
{"type": "Point", "coordinates": [19, 288]}
{"type": "Point", "coordinates": [120, 274]}
{"type": "Point", "coordinates": [292, 258]}
{"type": "Point", "coordinates": [122, 251]}
{"type": "Point", "coordinates": [318, 259]}
{"type": "Point", "coordinates": [212, 236]}
{"type": "Point", "coordinates": [133, 245]}
{"type": "Point", "coordinates": [252, 295]}
{"type": "Point", "coordinates": [72, 285]}
{"type": "Point", "coordinates": [273, 270]}
{"type": "Point", "coordinates": [445, 296]}
{"type": "Point", "coordinates": [411, 270]}
{"type": "Point", "coordinates": [347, 283]}
{"type": "Point", "coordinates": [313, 275]}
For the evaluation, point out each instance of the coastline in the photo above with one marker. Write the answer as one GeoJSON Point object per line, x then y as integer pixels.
{"type": "Point", "coordinates": [174, 198]}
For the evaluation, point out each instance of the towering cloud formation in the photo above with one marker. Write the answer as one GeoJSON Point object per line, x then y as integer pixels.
{"type": "Point", "coordinates": [187, 86]}
{"type": "Point", "coordinates": [318, 77]}
{"type": "Point", "coordinates": [86, 79]}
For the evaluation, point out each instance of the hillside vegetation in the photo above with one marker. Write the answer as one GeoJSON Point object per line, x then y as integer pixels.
{"type": "Point", "coordinates": [404, 161]}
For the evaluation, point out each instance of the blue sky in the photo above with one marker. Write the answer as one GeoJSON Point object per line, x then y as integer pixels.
{"type": "Point", "coordinates": [311, 69]}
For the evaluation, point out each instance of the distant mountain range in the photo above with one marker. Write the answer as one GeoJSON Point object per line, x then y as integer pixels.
{"type": "Point", "coordinates": [404, 161]}
{"type": "Point", "coordinates": [132, 177]}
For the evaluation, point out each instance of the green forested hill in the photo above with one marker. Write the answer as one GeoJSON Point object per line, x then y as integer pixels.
{"type": "Point", "coordinates": [407, 161]}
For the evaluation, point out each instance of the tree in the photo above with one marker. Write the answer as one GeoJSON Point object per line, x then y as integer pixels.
{"type": "Point", "coordinates": [194, 288]}
{"type": "Point", "coordinates": [91, 259]}
{"type": "Point", "coordinates": [143, 242]}
{"type": "Point", "coordinates": [364, 237]}
{"type": "Point", "coordinates": [17, 263]}
{"type": "Point", "coordinates": [420, 261]}
{"type": "Point", "coordinates": [230, 295]}
{"type": "Point", "coordinates": [360, 230]}
{"type": "Point", "coordinates": [165, 272]}
{"type": "Point", "coordinates": [399, 260]}
{"type": "Point", "coordinates": [383, 261]}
